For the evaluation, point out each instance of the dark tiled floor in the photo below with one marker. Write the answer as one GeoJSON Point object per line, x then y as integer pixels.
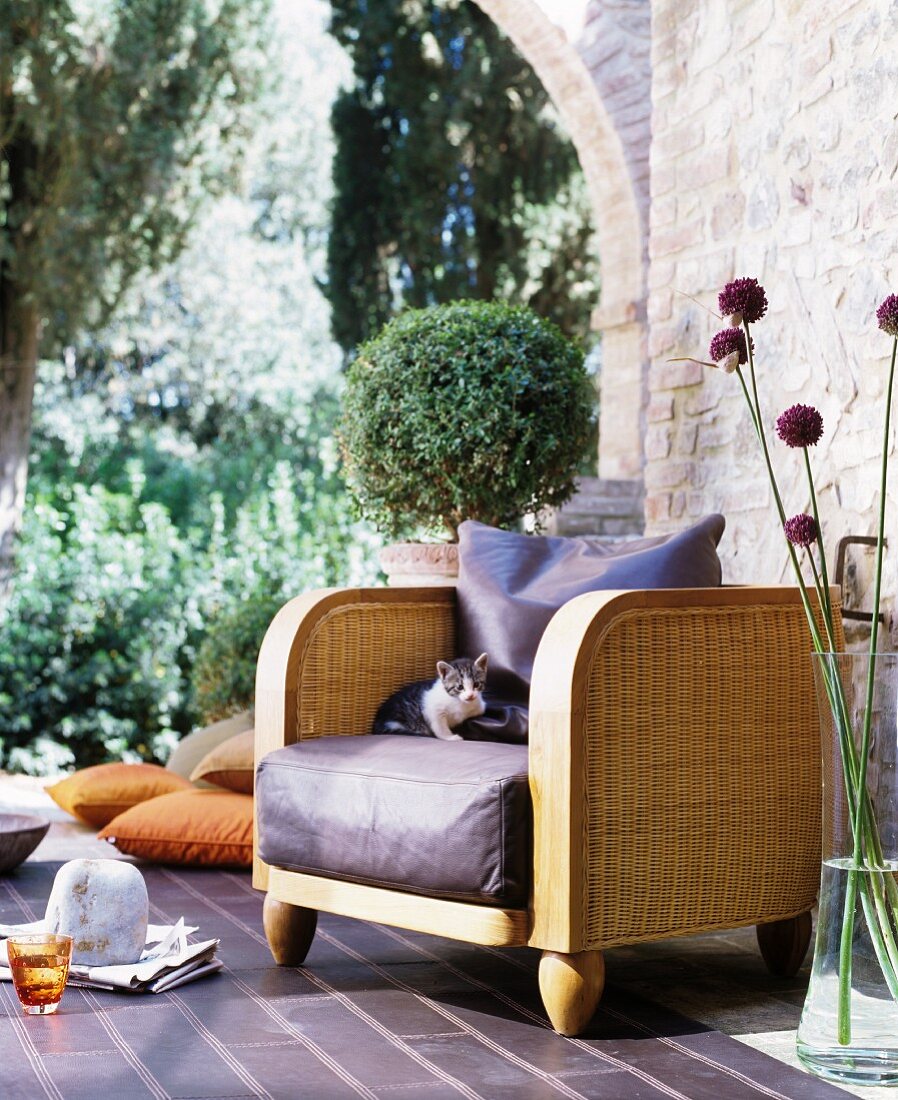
{"type": "Point", "coordinates": [377, 1012]}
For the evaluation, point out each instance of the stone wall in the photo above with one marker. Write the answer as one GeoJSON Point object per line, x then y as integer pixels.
{"type": "Point", "coordinates": [775, 155]}
{"type": "Point", "coordinates": [609, 507]}
{"type": "Point", "coordinates": [769, 130]}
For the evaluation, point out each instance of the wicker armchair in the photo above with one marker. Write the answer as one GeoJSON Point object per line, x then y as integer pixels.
{"type": "Point", "coordinates": [674, 770]}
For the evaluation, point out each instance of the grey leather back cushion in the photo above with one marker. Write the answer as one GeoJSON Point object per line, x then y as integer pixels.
{"type": "Point", "coordinates": [510, 585]}
{"type": "Point", "coordinates": [442, 818]}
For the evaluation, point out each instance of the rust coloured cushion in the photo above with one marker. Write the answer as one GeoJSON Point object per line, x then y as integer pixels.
{"type": "Point", "coordinates": [201, 828]}
{"type": "Point", "coordinates": [229, 765]}
{"type": "Point", "coordinates": [96, 795]}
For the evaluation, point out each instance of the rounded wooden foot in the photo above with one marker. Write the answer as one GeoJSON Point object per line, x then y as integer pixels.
{"type": "Point", "coordinates": [289, 930]}
{"type": "Point", "coordinates": [784, 944]}
{"type": "Point", "coordinates": [571, 986]}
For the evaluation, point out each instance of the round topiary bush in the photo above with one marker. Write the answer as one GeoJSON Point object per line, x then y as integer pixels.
{"type": "Point", "coordinates": [472, 410]}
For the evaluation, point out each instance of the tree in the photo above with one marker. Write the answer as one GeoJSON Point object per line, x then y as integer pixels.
{"type": "Point", "coordinates": [184, 480]}
{"type": "Point", "coordinates": [220, 365]}
{"type": "Point", "coordinates": [452, 176]}
{"type": "Point", "coordinates": [468, 410]}
{"type": "Point", "coordinates": [115, 122]}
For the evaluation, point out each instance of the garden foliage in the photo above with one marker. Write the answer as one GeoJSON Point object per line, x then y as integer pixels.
{"type": "Point", "coordinates": [118, 119]}
{"type": "Point", "coordinates": [183, 467]}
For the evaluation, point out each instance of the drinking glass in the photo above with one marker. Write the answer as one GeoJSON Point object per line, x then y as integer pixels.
{"type": "Point", "coordinates": [40, 965]}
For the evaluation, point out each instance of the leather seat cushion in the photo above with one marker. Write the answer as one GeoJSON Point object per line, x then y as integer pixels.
{"type": "Point", "coordinates": [443, 818]}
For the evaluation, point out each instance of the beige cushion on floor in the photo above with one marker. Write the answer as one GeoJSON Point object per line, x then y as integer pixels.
{"type": "Point", "coordinates": [230, 764]}
{"type": "Point", "coordinates": [191, 749]}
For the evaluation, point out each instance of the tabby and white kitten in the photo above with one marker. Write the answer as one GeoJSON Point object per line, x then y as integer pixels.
{"type": "Point", "coordinates": [433, 708]}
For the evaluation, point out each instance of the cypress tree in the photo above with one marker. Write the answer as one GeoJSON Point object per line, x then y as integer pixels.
{"type": "Point", "coordinates": [452, 176]}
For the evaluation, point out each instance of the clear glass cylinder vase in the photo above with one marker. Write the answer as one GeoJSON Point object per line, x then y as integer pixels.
{"type": "Point", "coordinates": [849, 1024]}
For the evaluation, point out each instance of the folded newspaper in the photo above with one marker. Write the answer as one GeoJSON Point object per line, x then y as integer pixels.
{"type": "Point", "coordinates": [167, 961]}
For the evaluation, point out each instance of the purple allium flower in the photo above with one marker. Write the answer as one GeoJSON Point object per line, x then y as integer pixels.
{"type": "Point", "coordinates": [745, 297]}
{"type": "Point", "coordinates": [800, 426]}
{"type": "Point", "coordinates": [887, 315]}
{"type": "Point", "coordinates": [726, 342]}
{"type": "Point", "coordinates": [801, 530]}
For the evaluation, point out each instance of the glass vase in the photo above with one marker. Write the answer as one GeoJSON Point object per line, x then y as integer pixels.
{"type": "Point", "coordinates": [849, 1024]}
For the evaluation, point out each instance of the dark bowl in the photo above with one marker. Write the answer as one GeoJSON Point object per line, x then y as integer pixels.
{"type": "Point", "coordinates": [20, 834]}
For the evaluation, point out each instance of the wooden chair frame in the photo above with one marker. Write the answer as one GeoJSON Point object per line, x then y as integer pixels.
{"type": "Point", "coordinates": [674, 770]}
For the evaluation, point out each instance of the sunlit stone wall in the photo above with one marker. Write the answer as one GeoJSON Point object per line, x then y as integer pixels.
{"type": "Point", "coordinates": [774, 154]}
{"type": "Point", "coordinates": [769, 129]}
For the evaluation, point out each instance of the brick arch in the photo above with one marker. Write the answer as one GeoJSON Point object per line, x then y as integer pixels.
{"type": "Point", "coordinates": [597, 73]}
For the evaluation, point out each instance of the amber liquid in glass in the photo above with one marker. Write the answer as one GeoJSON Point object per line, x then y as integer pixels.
{"type": "Point", "coordinates": [39, 977]}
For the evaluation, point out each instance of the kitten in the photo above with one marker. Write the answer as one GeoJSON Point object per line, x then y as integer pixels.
{"type": "Point", "coordinates": [433, 708]}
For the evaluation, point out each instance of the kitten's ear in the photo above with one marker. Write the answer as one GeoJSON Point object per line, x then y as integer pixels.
{"type": "Point", "coordinates": [481, 662]}
{"type": "Point", "coordinates": [443, 669]}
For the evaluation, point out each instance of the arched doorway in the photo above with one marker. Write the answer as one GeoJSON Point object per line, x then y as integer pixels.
{"type": "Point", "coordinates": [600, 84]}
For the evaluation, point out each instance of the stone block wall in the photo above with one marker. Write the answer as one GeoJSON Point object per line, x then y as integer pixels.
{"type": "Point", "coordinates": [759, 138]}
{"type": "Point", "coordinates": [601, 506]}
{"type": "Point", "coordinates": [774, 155]}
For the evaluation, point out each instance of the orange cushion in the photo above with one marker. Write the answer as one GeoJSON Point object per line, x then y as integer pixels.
{"type": "Point", "coordinates": [203, 828]}
{"type": "Point", "coordinates": [230, 764]}
{"type": "Point", "coordinates": [97, 795]}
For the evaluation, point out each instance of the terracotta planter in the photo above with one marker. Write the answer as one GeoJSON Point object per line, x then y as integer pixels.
{"type": "Point", "coordinates": [416, 564]}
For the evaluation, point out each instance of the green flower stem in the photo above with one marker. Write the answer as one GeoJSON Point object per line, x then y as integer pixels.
{"type": "Point", "coordinates": [881, 930]}
{"type": "Point", "coordinates": [755, 411]}
{"type": "Point", "coordinates": [865, 835]}
{"type": "Point", "coordinates": [748, 401]}
{"type": "Point", "coordinates": [821, 594]}
{"type": "Point", "coordinates": [844, 1007]}
{"type": "Point", "coordinates": [827, 603]}
{"type": "Point", "coordinates": [877, 589]}
{"type": "Point", "coordinates": [882, 937]}
{"type": "Point", "coordinates": [760, 425]}
{"type": "Point", "coordinates": [843, 1015]}
{"type": "Point", "coordinates": [884, 886]}
{"type": "Point", "coordinates": [836, 695]}
{"type": "Point", "coordinates": [878, 859]}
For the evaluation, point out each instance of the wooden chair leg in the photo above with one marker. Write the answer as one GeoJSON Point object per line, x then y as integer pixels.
{"type": "Point", "coordinates": [571, 986]}
{"type": "Point", "coordinates": [289, 930]}
{"type": "Point", "coordinates": [784, 944]}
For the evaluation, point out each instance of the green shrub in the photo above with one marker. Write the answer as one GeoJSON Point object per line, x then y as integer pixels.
{"type": "Point", "coordinates": [111, 601]}
{"type": "Point", "coordinates": [95, 637]}
{"type": "Point", "coordinates": [225, 671]}
{"type": "Point", "coordinates": [472, 410]}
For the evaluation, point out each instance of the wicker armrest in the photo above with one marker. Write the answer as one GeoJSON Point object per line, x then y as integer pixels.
{"type": "Point", "coordinates": [675, 765]}
{"type": "Point", "coordinates": [330, 657]}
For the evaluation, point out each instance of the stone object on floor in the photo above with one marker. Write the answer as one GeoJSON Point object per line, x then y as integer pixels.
{"type": "Point", "coordinates": [103, 905]}
{"type": "Point", "coordinates": [20, 834]}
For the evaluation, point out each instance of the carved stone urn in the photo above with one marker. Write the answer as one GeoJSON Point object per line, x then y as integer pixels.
{"type": "Point", "coordinates": [414, 564]}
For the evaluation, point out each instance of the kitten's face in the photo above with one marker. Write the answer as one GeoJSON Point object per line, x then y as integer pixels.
{"type": "Point", "coordinates": [465, 679]}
